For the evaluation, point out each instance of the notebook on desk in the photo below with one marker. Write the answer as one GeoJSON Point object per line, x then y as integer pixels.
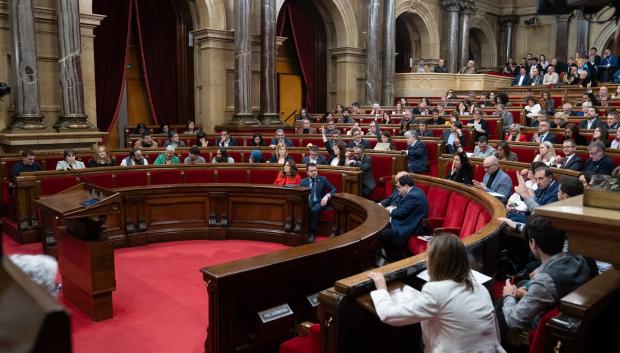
{"type": "Point", "coordinates": [382, 146]}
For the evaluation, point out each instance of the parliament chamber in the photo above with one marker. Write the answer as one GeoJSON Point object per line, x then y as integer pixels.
{"type": "Point", "coordinates": [152, 157]}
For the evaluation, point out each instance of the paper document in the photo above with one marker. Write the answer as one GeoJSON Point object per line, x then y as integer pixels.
{"type": "Point", "coordinates": [404, 295]}
{"type": "Point", "coordinates": [479, 277]}
{"type": "Point", "coordinates": [495, 194]}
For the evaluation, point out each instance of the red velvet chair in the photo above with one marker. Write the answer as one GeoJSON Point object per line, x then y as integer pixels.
{"type": "Point", "coordinates": [50, 186]}
{"type": "Point", "coordinates": [304, 344]}
{"type": "Point", "coordinates": [232, 176]}
{"type": "Point", "coordinates": [537, 336]}
{"type": "Point", "coordinates": [166, 176]}
{"type": "Point", "coordinates": [131, 178]}
{"type": "Point", "coordinates": [200, 176]}
{"type": "Point", "coordinates": [102, 180]}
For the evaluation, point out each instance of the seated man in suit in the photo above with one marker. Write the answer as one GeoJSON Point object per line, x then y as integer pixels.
{"type": "Point", "coordinates": [280, 138]}
{"type": "Point", "coordinates": [543, 133]}
{"type": "Point", "coordinates": [495, 179]}
{"type": "Point", "coordinates": [417, 157]}
{"type": "Point", "coordinates": [592, 121]}
{"type": "Point", "coordinates": [483, 150]}
{"type": "Point", "coordinates": [570, 160]}
{"type": "Point", "coordinates": [364, 162]}
{"type": "Point", "coordinates": [546, 192]}
{"type": "Point", "coordinates": [314, 157]}
{"type": "Point", "coordinates": [393, 199]}
{"type": "Point", "coordinates": [522, 79]}
{"type": "Point", "coordinates": [358, 140]}
{"type": "Point", "coordinates": [599, 162]}
{"type": "Point", "coordinates": [346, 118]}
{"type": "Point", "coordinates": [321, 191]}
{"type": "Point", "coordinates": [405, 219]}
{"type": "Point", "coordinates": [225, 140]}
{"type": "Point", "coordinates": [305, 128]}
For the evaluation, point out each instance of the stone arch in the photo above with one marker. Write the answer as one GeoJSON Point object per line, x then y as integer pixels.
{"type": "Point", "coordinates": [209, 14]}
{"type": "Point", "coordinates": [486, 37]}
{"type": "Point", "coordinates": [607, 33]}
{"type": "Point", "coordinates": [340, 15]}
{"type": "Point", "coordinates": [424, 21]}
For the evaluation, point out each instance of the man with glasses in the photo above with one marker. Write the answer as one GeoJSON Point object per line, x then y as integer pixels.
{"type": "Point", "coordinates": [543, 133]}
{"type": "Point", "coordinates": [331, 129]}
{"type": "Point", "coordinates": [613, 120]}
{"type": "Point", "coordinates": [417, 157]}
{"type": "Point", "coordinates": [570, 160]}
{"type": "Point", "coordinates": [225, 140]}
{"type": "Point", "coordinates": [280, 138]}
{"type": "Point", "coordinates": [358, 140]}
{"type": "Point", "coordinates": [495, 179]}
{"type": "Point", "coordinates": [599, 162]}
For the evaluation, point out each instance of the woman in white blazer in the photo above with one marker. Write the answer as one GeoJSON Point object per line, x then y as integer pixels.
{"type": "Point", "coordinates": [456, 312]}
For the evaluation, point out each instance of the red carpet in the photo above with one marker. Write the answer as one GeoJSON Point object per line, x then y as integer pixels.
{"type": "Point", "coordinates": [160, 304]}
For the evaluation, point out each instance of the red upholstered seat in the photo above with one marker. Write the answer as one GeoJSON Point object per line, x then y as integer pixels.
{"type": "Point", "coordinates": [512, 173]}
{"type": "Point", "coordinates": [478, 172]}
{"type": "Point", "coordinates": [236, 156]}
{"type": "Point", "coordinates": [457, 205]}
{"type": "Point", "coordinates": [54, 185]}
{"type": "Point", "coordinates": [423, 187]}
{"type": "Point", "coordinates": [102, 180]}
{"type": "Point", "coordinates": [327, 216]}
{"type": "Point", "coordinates": [126, 179]}
{"type": "Point", "coordinates": [470, 221]}
{"type": "Point", "coordinates": [382, 169]}
{"type": "Point", "coordinates": [262, 176]}
{"type": "Point", "coordinates": [516, 117]}
{"type": "Point", "coordinates": [437, 201]}
{"type": "Point", "coordinates": [483, 218]}
{"type": "Point", "coordinates": [232, 176]}
{"type": "Point", "coordinates": [304, 344]}
{"type": "Point", "coordinates": [297, 156]}
{"type": "Point", "coordinates": [537, 336]}
{"type": "Point", "coordinates": [416, 245]}
{"type": "Point", "coordinates": [166, 176]}
{"type": "Point", "coordinates": [200, 176]}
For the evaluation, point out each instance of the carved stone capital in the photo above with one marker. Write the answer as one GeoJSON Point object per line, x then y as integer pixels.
{"type": "Point", "coordinates": [467, 6]}
{"type": "Point", "coordinates": [451, 5]}
{"type": "Point", "coordinates": [563, 18]}
{"type": "Point", "coordinates": [579, 15]}
{"type": "Point", "coordinates": [509, 20]}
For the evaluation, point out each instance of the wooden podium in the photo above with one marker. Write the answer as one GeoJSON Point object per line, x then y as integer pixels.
{"type": "Point", "coordinates": [85, 254]}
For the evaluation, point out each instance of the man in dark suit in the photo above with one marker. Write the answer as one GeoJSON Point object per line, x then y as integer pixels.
{"type": "Point", "coordinates": [305, 128]}
{"type": "Point", "coordinates": [321, 191]}
{"type": "Point", "coordinates": [280, 138]}
{"type": "Point", "coordinates": [364, 162]}
{"type": "Point", "coordinates": [314, 157]}
{"type": "Point", "coordinates": [441, 67]}
{"type": "Point", "coordinates": [358, 140]}
{"type": "Point", "coordinates": [522, 79]}
{"type": "Point", "coordinates": [405, 219]}
{"type": "Point", "coordinates": [225, 140]}
{"type": "Point", "coordinates": [609, 64]}
{"type": "Point", "coordinates": [543, 133]}
{"type": "Point", "coordinates": [570, 160]}
{"type": "Point", "coordinates": [417, 158]}
{"type": "Point", "coordinates": [592, 121]}
{"type": "Point", "coordinates": [599, 162]}
{"type": "Point", "coordinates": [394, 198]}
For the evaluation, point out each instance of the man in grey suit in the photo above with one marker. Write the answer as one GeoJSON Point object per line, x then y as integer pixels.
{"type": "Point", "coordinates": [507, 119]}
{"type": "Point", "coordinates": [364, 162]}
{"type": "Point", "coordinates": [495, 179]}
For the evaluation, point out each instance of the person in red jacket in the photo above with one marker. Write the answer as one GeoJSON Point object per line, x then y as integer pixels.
{"type": "Point", "coordinates": [288, 175]}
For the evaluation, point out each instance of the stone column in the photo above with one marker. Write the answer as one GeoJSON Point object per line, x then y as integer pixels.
{"type": "Point", "coordinates": [268, 92]}
{"type": "Point", "coordinates": [467, 8]}
{"type": "Point", "coordinates": [561, 43]}
{"type": "Point", "coordinates": [389, 52]}
{"type": "Point", "coordinates": [508, 23]}
{"type": "Point", "coordinates": [24, 60]}
{"type": "Point", "coordinates": [452, 59]}
{"type": "Point", "coordinates": [243, 57]}
{"type": "Point", "coordinates": [583, 32]}
{"type": "Point", "coordinates": [70, 67]}
{"type": "Point", "coordinates": [372, 53]}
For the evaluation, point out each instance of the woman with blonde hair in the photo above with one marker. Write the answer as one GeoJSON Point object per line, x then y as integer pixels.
{"type": "Point", "coordinates": [514, 134]}
{"type": "Point", "coordinates": [101, 158]}
{"type": "Point", "coordinates": [281, 154]}
{"type": "Point", "coordinates": [560, 119]}
{"type": "Point", "coordinates": [546, 154]}
{"type": "Point", "coordinates": [455, 311]}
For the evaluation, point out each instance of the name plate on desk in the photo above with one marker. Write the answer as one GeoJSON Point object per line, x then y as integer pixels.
{"type": "Point", "coordinates": [89, 202]}
{"type": "Point", "coordinates": [313, 299]}
{"type": "Point", "coordinates": [275, 313]}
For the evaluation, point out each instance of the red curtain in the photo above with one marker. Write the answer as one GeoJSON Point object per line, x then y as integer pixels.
{"type": "Point", "coordinates": [156, 21]}
{"type": "Point", "coordinates": [309, 41]}
{"type": "Point", "coordinates": [111, 44]}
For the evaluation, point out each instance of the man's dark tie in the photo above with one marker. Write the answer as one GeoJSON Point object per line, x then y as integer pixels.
{"type": "Point", "coordinates": [312, 196]}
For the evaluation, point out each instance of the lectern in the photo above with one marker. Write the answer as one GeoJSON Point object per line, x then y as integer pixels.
{"type": "Point", "coordinates": [85, 254]}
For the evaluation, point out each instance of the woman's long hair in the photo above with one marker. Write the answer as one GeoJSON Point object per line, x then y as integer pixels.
{"type": "Point", "coordinates": [447, 260]}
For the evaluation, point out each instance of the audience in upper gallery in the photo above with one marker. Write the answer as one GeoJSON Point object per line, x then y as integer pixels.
{"type": "Point", "coordinates": [135, 158]}
{"type": "Point", "coordinates": [543, 134]}
{"type": "Point", "coordinates": [314, 156]}
{"type": "Point", "coordinates": [503, 152]}
{"type": "Point", "coordinates": [364, 162]}
{"type": "Point", "coordinates": [201, 139]}
{"type": "Point", "coordinates": [560, 120]}
{"type": "Point", "coordinates": [572, 132]}
{"type": "Point", "coordinates": [194, 156]}
{"type": "Point", "coordinates": [454, 137]}
{"type": "Point", "coordinates": [305, 128]}
{"type": "Point", "coordinates": [101, 158]}
{"type": "Point", "coordinates": [599, 162]}
{"type": "Point", "coordinates": [591, 120]}
{"type": "Point", "coordinates": [612, 120]}
{"type": "Point", "coordinates": [145, 141]}
{"type": "Point", "coordinates": [27, 164]}
{"type": "Point", "coordinates": [510, 68]}
{"type": "Point", "coordinates": [514, 134]}
{"type": "Point", "coordinates": [501, 112]}
{"type": "Point", "coordinates": [288, 174]}
{"type": "Point", "coordinates": [535, 77]}
{"type": "Point", "coordinates": [522, 79]}
{"type": "Point", "coordinates": [225, 140]}
{"type": "Point", "coordinates": [281, 154]}
{"type": "Point", "coordinates": [256, 156]}
{"type": "Point", "coordinates": [558, 274]}
{"type": "Point", "coordinates": [441, 67]}
{"type": "Point", "coordinates": [615, 143]}
{"type": "Point", "coordinates": [584, 80]}
{"type": "Point", "coordinates": [168, 157]}
{"type": "Point", "coordinates": [482, 149]}
{"type": "Point", "coordinates": [190, 128]}
{"type": "Point", "coordinates": [69, 163]}
{"type": "Point", "coordinates": [455, 311]}
{"type": "Point", "coordinates": [551, 78]}
{"type": "Point", "coordinates": [495, 179]}
{"type": "Point", "coordinates": [321, 191]}
{"type": "Point", "coordinates": [417, 157]}
{"type": "Point", "coordinates": [570, 160]}
{"type": "Point", "coordinates": [174, 140]}
{"type": "Point", "coordinates": [532, 108]}
{"type": "Point", "coordinates": [423, 130]}
{"type": "Point", "coordinates": [358, 140]}
{"type": "Point", "coordinates": [461, 169]}
{"type": "Point", "coordinates": [609, 64]}
{"type": "Point", "coordinates": [221, 156]}
{"type": "Point", "coordinates": [546, 154]}
{"type": "Point", "coordinates": [470, 68]}
{"type": "Point", "coordinates": [601, 134]}
{"type": "Point", "coordinates": [280, 138]}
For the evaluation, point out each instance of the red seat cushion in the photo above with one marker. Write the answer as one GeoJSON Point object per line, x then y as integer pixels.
{"type": "Point", "coordinates": [165, 176]}
{"type": "Point", "coordinates": [483, 218]}
{"type": "Point", "coordinates": [232, 176]}
{"type": "Point", "coordinates": [327, 216]}
{"type": "Point", "coordinates": [195, 175]}
{"type": "Point", "coordinates": [304, 344]}
{"type": "Point", "coordinates": [126, 179]}
{"type": "Point", "coordinates": [102, 180]}
{"type": "Point", "coordinates": [458, 205]}
{"type": "Point", "coordinates": [437, 201]}
{"type": "Point", "coordinates": [416, 245]}
{"type": "Point", "coordinates": [54, 185]}
{"type": "Point", "coordinates": [471, 219]}
{"type": "Point", "coordinates": [478, 172]}
{"type": "Point", "coordinates": [537, 336]}
{"type": "Point", "coordinates": [263, 176]}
